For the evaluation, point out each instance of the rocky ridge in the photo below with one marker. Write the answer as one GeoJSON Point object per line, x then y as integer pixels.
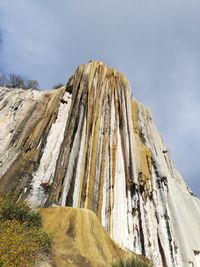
{"type": "Point", "coordinates": [92, 145]}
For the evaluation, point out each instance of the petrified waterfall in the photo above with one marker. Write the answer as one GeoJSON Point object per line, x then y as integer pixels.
{"type": "Point", "coordinates": [92, 145]}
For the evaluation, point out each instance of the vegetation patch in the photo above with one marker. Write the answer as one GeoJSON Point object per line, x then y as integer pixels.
{"type": "Point", "coordinates": [22, 239]}
{"type": "Point", "coordinates": [16, 81]}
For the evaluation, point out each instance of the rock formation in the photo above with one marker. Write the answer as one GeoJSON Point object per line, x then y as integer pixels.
{"type": "Point", "coordinates": [92, 145]}
{"type": "Point", "coordinates": [79, 239]}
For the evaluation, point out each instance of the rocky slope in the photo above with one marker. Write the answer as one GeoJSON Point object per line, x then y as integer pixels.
{"type": "Point", "coordinates": [79, 239]}
{"type": "Point", "coordinates": [92, 145]}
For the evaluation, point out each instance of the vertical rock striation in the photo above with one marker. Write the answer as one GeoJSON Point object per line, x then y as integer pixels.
{"type": "Point", "coordinates": [92, 145]}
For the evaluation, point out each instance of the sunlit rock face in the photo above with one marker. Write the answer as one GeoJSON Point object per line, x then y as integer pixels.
{"type": "Point", "coordinates": [80, 240]}
{"type": "Point", "coordinates": [93, 145]}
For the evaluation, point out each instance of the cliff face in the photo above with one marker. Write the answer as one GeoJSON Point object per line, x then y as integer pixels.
{"type": "Point", "coordinates": [92, 145]}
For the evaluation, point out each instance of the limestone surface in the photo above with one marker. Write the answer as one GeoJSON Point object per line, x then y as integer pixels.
{"type": "Point", "coordinates": [92, 145]}
{"type": "Point", "coordinates": [80, 240]}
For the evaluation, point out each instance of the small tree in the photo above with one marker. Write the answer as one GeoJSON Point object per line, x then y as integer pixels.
{"type": "Point", "coordinates": [15, 81]}
{"type": "Point", "coordinates": [3, 80]}
{"type": "Point", "coordinates": [32, 84]}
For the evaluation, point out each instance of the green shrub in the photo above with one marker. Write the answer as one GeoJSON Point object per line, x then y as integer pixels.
{"type": "Point", "coordinates": [22, 239]}
{"type": "Point", "coordinates": [12, 210]}
{"type": "Point", "coordinates": [134, 262]}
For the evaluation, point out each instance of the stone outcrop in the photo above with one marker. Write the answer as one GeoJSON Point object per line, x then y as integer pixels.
{"type": "Point", "coordinates": [92, 145]}
{"type": "Point", "coordinates": [80, 239]}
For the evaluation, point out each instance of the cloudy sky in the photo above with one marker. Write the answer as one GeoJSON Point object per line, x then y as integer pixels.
{"type": "Point", "coordinates": [155, 43]}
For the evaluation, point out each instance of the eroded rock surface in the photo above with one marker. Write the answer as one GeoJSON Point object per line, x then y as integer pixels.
{"type": "Point", "coordinates": [80, 240]}
{"type": "Point", "coordinates": [92, 145]}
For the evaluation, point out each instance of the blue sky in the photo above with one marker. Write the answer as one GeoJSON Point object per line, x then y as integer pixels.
{"type": "Point", "coordinates": [156, 44]}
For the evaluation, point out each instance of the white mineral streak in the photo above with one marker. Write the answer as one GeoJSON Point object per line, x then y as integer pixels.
{"type": "Point", "coordinates": [197, 257]}
{"type": "Point", "coordinates": [152, 249]}
{"type": "Point", "coordinates": [106, 194]}
{"type": "Point", "coordinates": [77, 184]}
{"type": "Point", "coordinates": [112, 146]}
{"type": "Point", "coordinates": [98, 164]}
{"type": "Point", "coordinates": [74, 156]}
{"type": "Point", "coordinates": [132, 146]}
{"type": "Point", "coordinates": [119, 213]}
{"type": "Point", "coordinates": [45, 173]}
{"type": "Point", "coordinates": [101, 135]}
{"type": "Point", "coordinates": [130, 223]}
